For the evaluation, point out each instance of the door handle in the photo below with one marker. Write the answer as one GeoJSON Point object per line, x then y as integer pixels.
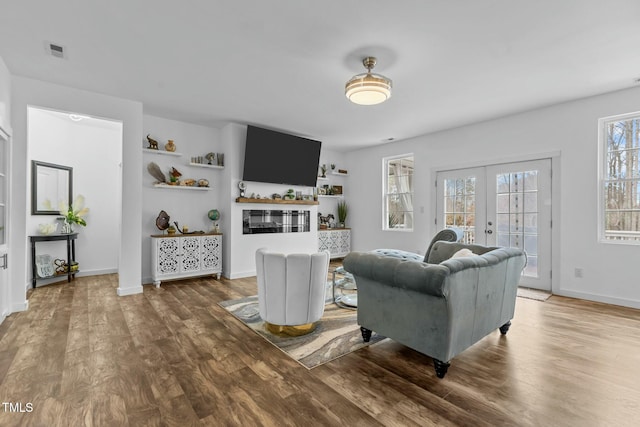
{"type": "Point", "coordinates": [489, 231]}
{"type": "Point", "coordinates": [4, 261]}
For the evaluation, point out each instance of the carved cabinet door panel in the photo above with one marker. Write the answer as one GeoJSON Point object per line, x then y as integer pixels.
{"type": "Point", "coordinates": [190, 260]}
{"type": "Point", "coordinates": [211, 253]}
{"type": "Point", "coordinates": [168, 256]}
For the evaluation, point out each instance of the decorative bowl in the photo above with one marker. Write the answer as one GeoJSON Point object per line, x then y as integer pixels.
{"type": "Point", "coordinates": [47, 229]}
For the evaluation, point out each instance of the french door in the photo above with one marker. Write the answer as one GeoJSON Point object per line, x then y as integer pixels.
{"type": "Point", "coordinates": [502, 205]}
{"type": "Point", "coordinates": [4, 226]}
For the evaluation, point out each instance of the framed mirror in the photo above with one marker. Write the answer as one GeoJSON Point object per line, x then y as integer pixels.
{"type": "Point", "coordinates": [50, 184]}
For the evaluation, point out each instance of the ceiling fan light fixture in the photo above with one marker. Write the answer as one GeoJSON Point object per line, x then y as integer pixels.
{"type": "Point", "coordinates": [368, 88]}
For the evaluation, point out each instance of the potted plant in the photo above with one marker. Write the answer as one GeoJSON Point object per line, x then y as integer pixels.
{"type": "Point", "coordinates": [323, 170]}
{"type": "Point", "coordinates": [72, 214]}
{"type": "Point", "coordinates": [343, 210]}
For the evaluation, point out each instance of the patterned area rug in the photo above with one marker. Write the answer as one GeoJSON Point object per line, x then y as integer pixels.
{"type": "Point", "coordinates": [337, 333]}
{"type": "Point", "coordinates": [533, 294]}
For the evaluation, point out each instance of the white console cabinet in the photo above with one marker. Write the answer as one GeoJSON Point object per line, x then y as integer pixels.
{"type": "Point", "coordinates": [181, 256]}
{"type": "Point", "coordinates": [335, 240]}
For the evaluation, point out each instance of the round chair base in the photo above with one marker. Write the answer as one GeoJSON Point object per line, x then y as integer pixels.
{"type": "Point", "coordinates": [290, 330]}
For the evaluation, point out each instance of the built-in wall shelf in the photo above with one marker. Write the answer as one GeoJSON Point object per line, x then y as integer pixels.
{"type": "Point", "coordinates": [323, 178]}
{"type": "Point", "coordinates": [339, 173]}
{"type": "Point", "coordinates": [335, 196]}
{"type": "Point", "coordinates": [166, 153]}
{"type": "Point", "coordinates": [276, 201]}
{"type": "Point", "coordinates": [180, 187]}
{"type": "Point", "coordinates": [204, 165]}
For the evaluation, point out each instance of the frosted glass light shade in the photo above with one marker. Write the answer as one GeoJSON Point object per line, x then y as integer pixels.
{"type": "Point", "coordinates": [368, 89]}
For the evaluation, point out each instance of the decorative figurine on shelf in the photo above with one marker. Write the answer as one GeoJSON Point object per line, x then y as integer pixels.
{"type": "Point", "coordinates": [325, 221]}
{"type": "Point", "coordinates": [289, 195]}
{"type": "Point", "coordinates": [162, 221]}
{"type": "Point", "coordinates": [333, 166]}
{"type": "Point", "coordinates": [242, 186]}
{"type": "Point", "coordinates": [323, 170]}
{"type": "Point", "coordinates": [185, 229]}
{"type": "Point", "coordinates": [214, 215]}
{"type": "Point", "coordinates": [211, 157]}
{"type": "Point", "coordinates": [170, 146]}
{"type": "Point", "coordinates": [153, 144]}
{"type": "Point", "coordinates": [155, 172]}
{"type": "Point", "coordinates": [174, 176]}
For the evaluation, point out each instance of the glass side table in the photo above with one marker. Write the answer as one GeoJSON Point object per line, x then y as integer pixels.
{"type": "Point", "coordinates": [344, 289]}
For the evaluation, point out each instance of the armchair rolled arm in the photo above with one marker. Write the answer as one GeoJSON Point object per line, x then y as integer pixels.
{"type": "Point", "coordinates": [416, 276]}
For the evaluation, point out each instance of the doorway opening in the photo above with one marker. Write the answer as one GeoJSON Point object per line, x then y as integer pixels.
{"type": "Point", "coordinates": [92, 147]}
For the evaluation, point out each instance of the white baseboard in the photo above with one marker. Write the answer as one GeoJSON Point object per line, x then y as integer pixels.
{"type": "Point", "coordinates": [241, 275]}
{"type": "Point", "coordinates": [97, 272]}
{"type": "Point", "coordinates": [22, 306]}
{"type": "Point", "coordinates": [599, 298]}
{"type": "Point", "coordinates": [129, 291]}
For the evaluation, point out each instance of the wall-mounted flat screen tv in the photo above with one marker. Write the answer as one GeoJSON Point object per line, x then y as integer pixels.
{"type": "Point", "coordinates": [280, 158]}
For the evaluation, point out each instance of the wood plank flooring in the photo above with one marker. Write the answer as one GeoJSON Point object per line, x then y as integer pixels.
{"type": "Point", "coordinates": [82, 356]}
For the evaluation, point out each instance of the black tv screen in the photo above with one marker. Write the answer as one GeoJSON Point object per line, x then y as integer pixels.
{"type": "Point", "coordinates": [280, 158]}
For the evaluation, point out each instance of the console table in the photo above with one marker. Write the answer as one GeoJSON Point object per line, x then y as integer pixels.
{"type": "Point", "coordinates": [71, 254]}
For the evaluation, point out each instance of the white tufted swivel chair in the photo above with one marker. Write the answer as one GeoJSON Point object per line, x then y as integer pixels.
{"type": "Point", "coordinates": [291, 290]}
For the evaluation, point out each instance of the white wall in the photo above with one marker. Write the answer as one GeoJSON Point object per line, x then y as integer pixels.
{"type": "Point", "coordinates": [93, 148]}
{"type": "Point", "coordinates": [5, 97]}
{"type": "Point", "coordinates": [27, 92]}
{"type": "Point", "coordinates": [570, 129]}
{"type": "Point", "coordinates": [187, 207]}
{"type": "Point", "coordinates": [239, 259]}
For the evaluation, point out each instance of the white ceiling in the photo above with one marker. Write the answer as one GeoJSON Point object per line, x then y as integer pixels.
{"type": "Point", "coordinates": [282, 64]}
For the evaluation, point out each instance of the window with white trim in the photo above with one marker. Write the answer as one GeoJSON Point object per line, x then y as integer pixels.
{"type": "Point", "coordinates": [620, 179]}
{"type": "Point", "coordinates": [398, 193]}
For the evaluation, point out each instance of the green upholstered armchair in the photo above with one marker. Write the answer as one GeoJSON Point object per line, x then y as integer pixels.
{"type": "Point", "coordinates": [439, 307]}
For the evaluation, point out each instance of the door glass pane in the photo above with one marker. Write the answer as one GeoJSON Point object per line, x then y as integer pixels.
{"type": "Point", "coordinates": [531, 245]}
{"type": "Point", "coordinates": [502, 225]}
{"type": "Point", "coordinates": [503, 203]}
{"type": "Point", "coordinates": [531, 202]}
{"type": "Point", "coordinates": [502, 183]}
{"type": "Point", "coordinates": [531, 181]}
{"type": "Point", "coordinates": [531, 269]}
{"type": "Point", "coordinates": [460, 205]}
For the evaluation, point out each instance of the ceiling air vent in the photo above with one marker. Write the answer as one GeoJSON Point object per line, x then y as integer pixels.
{"type": "Point", "coordinates": [56, 50]}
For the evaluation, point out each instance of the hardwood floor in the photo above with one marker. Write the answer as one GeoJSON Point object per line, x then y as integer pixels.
{"type": "Point", "coordinates": [172, 357]}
